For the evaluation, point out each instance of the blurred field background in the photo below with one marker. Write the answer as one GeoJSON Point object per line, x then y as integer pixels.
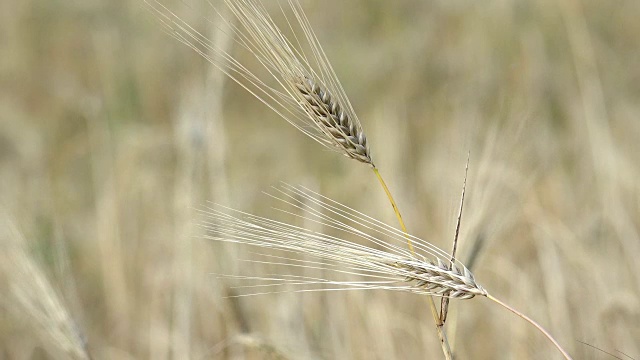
{"type": "Point", "coordinates": [112, 135]}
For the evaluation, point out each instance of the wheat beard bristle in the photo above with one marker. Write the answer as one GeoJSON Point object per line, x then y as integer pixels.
{"type": "Point", "coordinates": [333, 120]}
{"type": "Point", "coordinates": [457, 282]}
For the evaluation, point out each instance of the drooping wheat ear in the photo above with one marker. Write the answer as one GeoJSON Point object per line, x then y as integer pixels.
{"type": "Point", "coordinates": [333, 120]}
{"type": "Point", "coordinates": [296, 80]}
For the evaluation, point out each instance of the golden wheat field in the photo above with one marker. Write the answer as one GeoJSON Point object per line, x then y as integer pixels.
{"type": "Point", "coordinates": [116, 140]}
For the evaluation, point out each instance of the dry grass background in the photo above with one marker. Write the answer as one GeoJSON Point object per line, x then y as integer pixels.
{"type": "Point", "coordinates": [112, 134]}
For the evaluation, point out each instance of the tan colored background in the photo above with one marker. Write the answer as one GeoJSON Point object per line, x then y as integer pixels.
{"type": "Point", "coordinates": [112, 134]}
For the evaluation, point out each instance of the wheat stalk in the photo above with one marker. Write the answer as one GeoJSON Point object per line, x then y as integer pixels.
{"type": "Point", "coordinates": [383, 265]}
{"type": "Point", "coordinates": [31, 297]}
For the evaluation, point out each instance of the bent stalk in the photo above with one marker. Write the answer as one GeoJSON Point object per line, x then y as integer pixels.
{"type": "Point", "coordinates": [532, 322]}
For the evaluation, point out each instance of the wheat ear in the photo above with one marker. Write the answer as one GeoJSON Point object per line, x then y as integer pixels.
{"type": "Point", "coordinates": [300, 85]}
{"type": "Point", "coordinates": [333, 120]}
{"type": "Point", "coordinates": [387, 266]}
{"type": "Point", "coordinates": [425, 271]}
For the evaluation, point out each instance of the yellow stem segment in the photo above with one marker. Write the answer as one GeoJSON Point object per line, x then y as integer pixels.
{"type": "Point", "coordinates": [395, 208]}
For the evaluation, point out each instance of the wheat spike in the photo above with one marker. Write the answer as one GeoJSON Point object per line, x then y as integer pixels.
{"type": "Point", "coordinates": [307, 92]}
{"type": "Point", "coordinates": [437, 278]}
{"type": "Point", "coordinates": [333, 120]}
{"type": "Point", "coordinates": [383, 264]}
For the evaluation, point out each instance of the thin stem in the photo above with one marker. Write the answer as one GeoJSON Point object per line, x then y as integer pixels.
{"type": "Point", "coordinates": [442, 335]}
{"type": "Point", "coordinates": [395, 208]}
{"type": "Point", "coordinates": [464, 188]}
{"type": "Point", "coordinates": [532, 322]}
{"type": "Point", "coordinates": [444, 302]}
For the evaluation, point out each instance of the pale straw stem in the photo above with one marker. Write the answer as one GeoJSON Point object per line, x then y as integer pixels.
{"type": "Point", "coordinates": [532, 322]}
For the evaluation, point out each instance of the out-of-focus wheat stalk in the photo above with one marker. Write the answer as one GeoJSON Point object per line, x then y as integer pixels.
{"type": "Point", "coordinates": [31, 296]}
{"type": "Point", "coordinates": [382, 265]}
{"type": "Point", "coordinates": [251, 341]}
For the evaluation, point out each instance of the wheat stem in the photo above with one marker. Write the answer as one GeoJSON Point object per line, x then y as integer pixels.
{"type": "Point", "coordinates": [532, 322]}
{"type": "Point", "coordinates": [444, 302]}
{"type": "Point", "coordinates": [442, 335]}
{"type": "Point", "coordinates": [395, 208]}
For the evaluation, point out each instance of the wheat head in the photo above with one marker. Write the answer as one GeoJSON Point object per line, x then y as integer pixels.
{"type": "Point", "coordinates": [333, 121]}
{"type": "Point", "coordinates": [307, 93]}
{"type": "Point", "coordinates": [383, 263]}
